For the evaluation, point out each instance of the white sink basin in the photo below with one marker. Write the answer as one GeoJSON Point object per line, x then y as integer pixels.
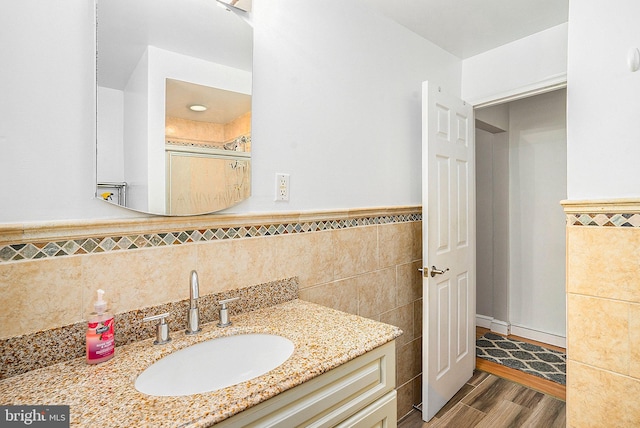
{"type": "Point", "coordinates": [214, 364]}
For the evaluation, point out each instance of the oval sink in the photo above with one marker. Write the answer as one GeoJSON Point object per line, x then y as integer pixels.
{"type": "Point", "coordinates": [214, 364]}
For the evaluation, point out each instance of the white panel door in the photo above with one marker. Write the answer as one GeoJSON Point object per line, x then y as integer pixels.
{"type": "Point", "coordinates": [448, 228]}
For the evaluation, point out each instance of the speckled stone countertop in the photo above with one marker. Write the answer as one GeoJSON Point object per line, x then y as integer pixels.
{"type": "Point", "coordinates": [104, 394]}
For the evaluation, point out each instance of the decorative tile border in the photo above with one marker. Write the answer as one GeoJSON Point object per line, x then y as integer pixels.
{"type": "Point", "coordinates": [21, 354]}
{"type": "Point", "coordinates": [101, 244]}
{"type": "Point", "coordinates": [243, 139]}
{"type": "Point", "coordinates": [604, 219]}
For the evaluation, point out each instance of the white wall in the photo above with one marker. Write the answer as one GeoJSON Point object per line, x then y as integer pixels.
{"type": "Point", "coordinates": [492, 215]}
{"type": "Point", "coordinates": [136, 136]}
{"type": "Point", "coordinates": [47, 109]}
{"type": "Point", "coordinates": [538, 182]}
{"type": "Point", "coordinates": [497, 116]}
{"type": "Point", "coordinates": [484, 223]}
{"type": "Point", "coordinates": [336, 105]}
{"type": "Point", "coordinates": [501, 198]}
{"type": "Point", "coordinates": [603, 101]}
{"type": "Point", "coordinates": [110, 135]}
{"type": "Point", "coordinates": [521, 178]}
{"type": "Point", "coordinates": [526, 64]}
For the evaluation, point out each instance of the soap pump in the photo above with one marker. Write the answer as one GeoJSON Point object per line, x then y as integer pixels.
{"type": "Point", "coordinates": [100, 332]}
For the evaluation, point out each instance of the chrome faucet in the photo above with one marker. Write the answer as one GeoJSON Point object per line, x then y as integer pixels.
{"type": "Point", "coordinates": [162, 328]}
{"type": "Point", "coordinates": [193, 316]}
{"type": "Point", "coordinates": [224, 312]}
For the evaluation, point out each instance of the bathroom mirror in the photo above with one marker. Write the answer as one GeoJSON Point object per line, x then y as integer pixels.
{"type": "Point", "coordinates": [157, 62]}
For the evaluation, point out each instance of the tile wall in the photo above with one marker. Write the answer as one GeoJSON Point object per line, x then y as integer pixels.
{"type": "Point", "coordinates": [603, 314]}
{"type": "Point", "coordinates": [360, 261]}
{"type": "Point", "coordinates": [203, 133]}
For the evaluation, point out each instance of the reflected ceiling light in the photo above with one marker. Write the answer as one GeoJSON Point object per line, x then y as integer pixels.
{"type": "Point", "coordinates": [197, 107]}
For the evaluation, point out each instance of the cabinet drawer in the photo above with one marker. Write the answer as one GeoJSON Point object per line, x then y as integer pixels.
{"type": "Point", "coordinates": [329, 398]}
{"type": "Point", "coordinates": [381, 414]}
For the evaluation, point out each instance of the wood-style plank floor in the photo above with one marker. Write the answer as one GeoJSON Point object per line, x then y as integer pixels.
{"type": "Point", "coordinates": [500, 397]}
{"type": "Point", "coordinates": [490, 401]}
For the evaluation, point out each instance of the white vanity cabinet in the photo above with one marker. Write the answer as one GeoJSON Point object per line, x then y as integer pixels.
{"type": "Point", "coordinates": [359, 393]}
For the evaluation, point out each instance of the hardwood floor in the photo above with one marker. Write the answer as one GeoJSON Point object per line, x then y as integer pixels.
{"type": "Point", "coordinates": [490, 401]}
{"type": "Point", "coordinates": [500, 397]}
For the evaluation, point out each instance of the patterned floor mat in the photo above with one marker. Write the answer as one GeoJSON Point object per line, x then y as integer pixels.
{"type": "Point", "coordinates": [532, 359]}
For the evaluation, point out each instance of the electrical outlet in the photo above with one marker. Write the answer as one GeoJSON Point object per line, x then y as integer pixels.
{"type": "Point", "coordinates": [282, 187]}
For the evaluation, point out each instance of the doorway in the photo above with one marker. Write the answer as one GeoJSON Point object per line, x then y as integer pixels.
{"type": "Point", "coordinates": [533, 126]}
{"type": "Point", "coordinates": [520, 180]}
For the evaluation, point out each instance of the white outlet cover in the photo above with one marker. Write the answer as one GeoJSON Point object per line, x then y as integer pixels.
{"type": "Point", "coordinates": [282, 187]}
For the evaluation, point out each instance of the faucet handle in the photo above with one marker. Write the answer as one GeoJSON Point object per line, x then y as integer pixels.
{"type": "Point", "coordinates": [224, 312]}
{"type": "Point", "coordinates": [225, 301]}
{"type": "Point", "coordinates": [162, 328]}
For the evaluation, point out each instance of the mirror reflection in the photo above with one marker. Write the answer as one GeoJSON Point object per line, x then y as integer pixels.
{"type": "Point", "coordinates": [208, 148]}
{"type": "Point", "coordinates": [174, 105]}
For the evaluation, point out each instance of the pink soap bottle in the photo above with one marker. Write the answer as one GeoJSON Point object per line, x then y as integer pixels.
{"type": "Point", "coordinates": [101, 341]}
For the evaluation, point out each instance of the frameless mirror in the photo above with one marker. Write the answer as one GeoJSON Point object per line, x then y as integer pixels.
{"type": "Point", "coordinates": [173, 104]}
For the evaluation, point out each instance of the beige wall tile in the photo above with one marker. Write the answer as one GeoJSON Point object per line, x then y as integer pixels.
{"type": "Point", "coordinates": [417, 390]}
{"type": "Point", "coordinates": [400, 243]}
{"type": "Point", "coordinates": [417, 320]}
{"type": "Point", "coordinates": [376, 292]}
{"type": "Point", "coordinates": [598, 332]}
{"type": "Point", "coordinates": [340, 295]}
{"type": "Point", "coordinates": [598, 398]}
{"type": "Point", "coordinates": [137, 279]}
{"type": "Point", "coordinates": [604, 261]}
{"type": "Point", "coordinates": [405, 399]}
{"type": "Point", "coordinates": [402, 317]}
{"type": "Point", "coordinates": [236, 263]}
{"type": "Point", "coordinates": [39, 295]}
{"type": "Point", "coordinates": [634, 341]}
{"type": "Point", "coordinates": [409, 282]}
{"type": "Point", "coordinates": [309, 256]}
{"type": "Point", "coordinates": [184, 129]}
{"type": "Point", "coordinates": [409, 361]}
{"type": "Point", "coordinates": [237, 127]}
{"type": "Point", "coordinates": [355, 251]}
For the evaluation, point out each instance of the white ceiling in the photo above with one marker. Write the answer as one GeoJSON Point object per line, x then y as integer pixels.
{"type": "Point", "coordinates": [222, 106]}
{"type": "Point", "coordinates": [468, 27]}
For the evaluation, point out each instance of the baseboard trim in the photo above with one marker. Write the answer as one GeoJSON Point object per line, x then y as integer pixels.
{"type": "Point", "coordinates": [500, 327]}
{"type": "Point", "coordinates": [483, 321]}
{"type": "Point", "coordinates": [496, 326]}
{"type": "Point", "coordinates": [503, 327]}
{"type": "Point", "coordinates": [539, 336]}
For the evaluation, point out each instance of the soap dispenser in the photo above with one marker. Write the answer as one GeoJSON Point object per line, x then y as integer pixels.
{"type": "Point", "coordinates": [100, 332]}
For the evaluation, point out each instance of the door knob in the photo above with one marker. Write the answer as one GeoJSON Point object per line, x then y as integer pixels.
{"type": "Point", "coordinates": [435, 271]}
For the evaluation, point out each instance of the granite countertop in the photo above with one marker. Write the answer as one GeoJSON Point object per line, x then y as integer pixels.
{"type": "Point", "coordinates": [97, 394]}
